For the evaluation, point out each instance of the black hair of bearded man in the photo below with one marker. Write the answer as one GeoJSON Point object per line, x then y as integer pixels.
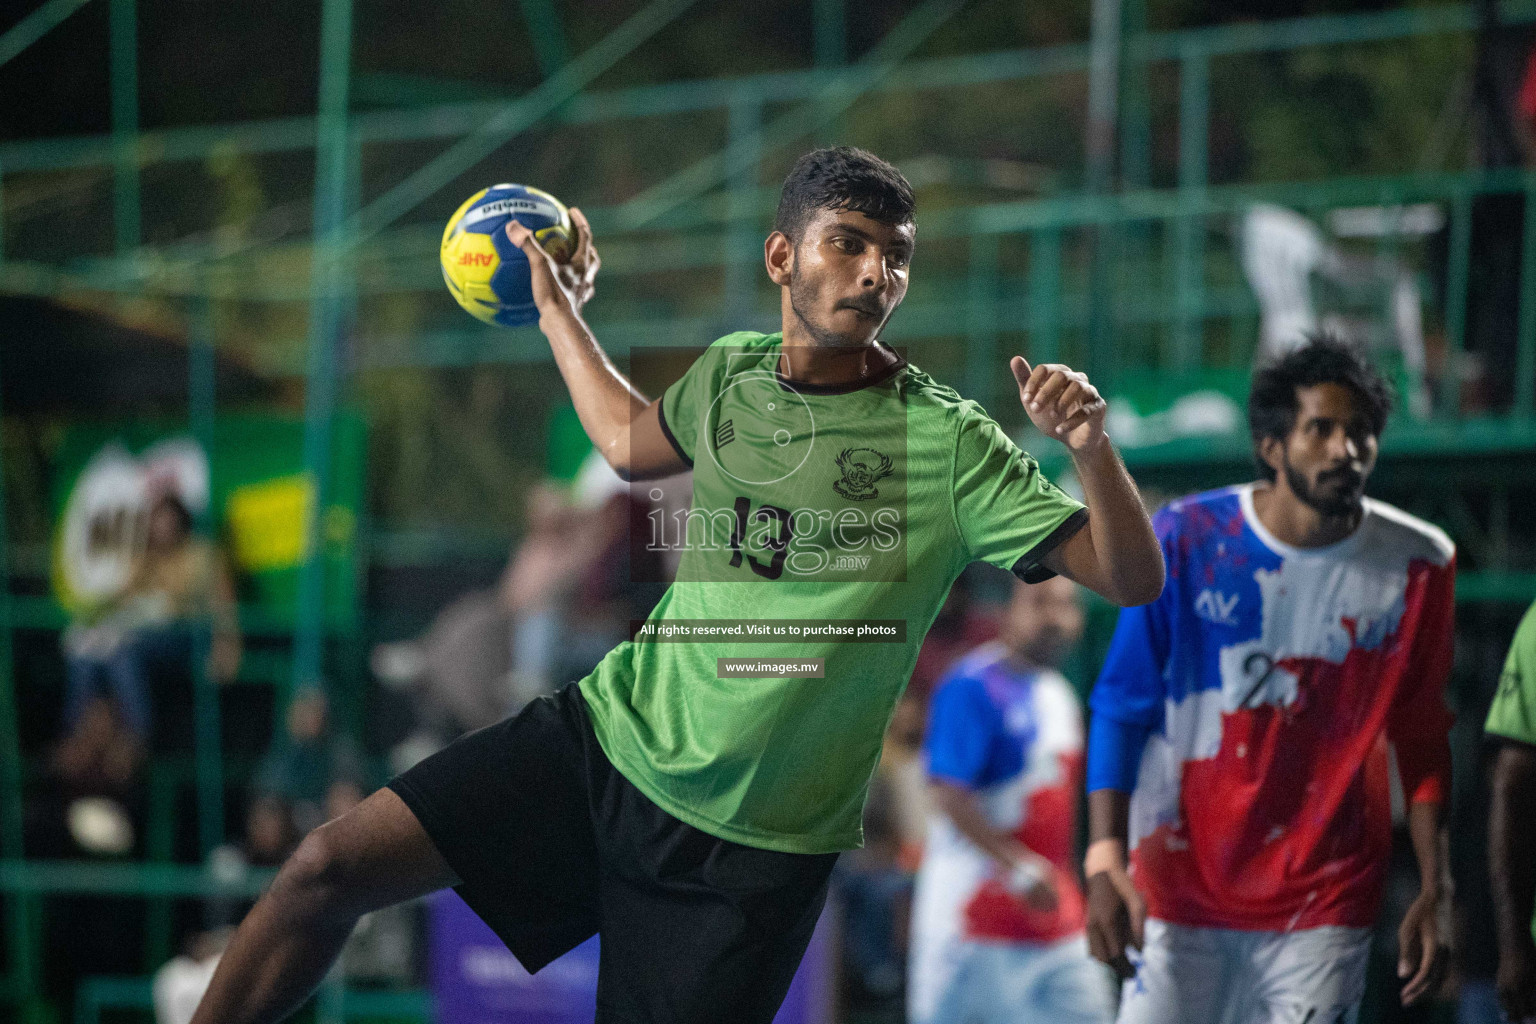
{"type": "Point", "coordinates": [1324, 359]}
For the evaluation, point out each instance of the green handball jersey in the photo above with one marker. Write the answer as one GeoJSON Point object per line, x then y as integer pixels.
{"type": "Point", "coordinates": [815, 509]}
{"type": "Point", "coordinates": [1513, 714]}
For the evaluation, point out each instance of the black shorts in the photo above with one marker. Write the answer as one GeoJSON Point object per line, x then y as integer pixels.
{"type": "Point", "coordinates": [553, 844]}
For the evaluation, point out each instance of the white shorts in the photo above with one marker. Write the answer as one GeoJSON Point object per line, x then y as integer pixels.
{"type": "Point", "coordinates": [1015, 983]}
{"type": "Point", "coordinates": [1223, 976]}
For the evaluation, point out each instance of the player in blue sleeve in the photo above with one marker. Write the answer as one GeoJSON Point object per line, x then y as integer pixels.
{"type": "Point", "coordinates": [997, 931]}
{"type": "Point", "coordinates": [1238, 770]}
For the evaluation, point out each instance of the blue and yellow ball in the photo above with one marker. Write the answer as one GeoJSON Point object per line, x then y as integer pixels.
{"type": "Point", "coordinates": [485, 272]}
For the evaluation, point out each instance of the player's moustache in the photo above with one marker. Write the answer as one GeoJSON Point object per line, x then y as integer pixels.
{"type": "Point", "coordinates": [1344, 475]}
{"type": "Point", "coordinates": [869, 307]}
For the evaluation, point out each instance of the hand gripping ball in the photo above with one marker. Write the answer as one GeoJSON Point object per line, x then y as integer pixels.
{"type": "Point", "coordinates": [487, 274]}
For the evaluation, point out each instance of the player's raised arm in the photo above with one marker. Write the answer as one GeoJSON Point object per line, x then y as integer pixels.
{"type": "Point", "coordinates": [621, 421]}
{"type": "Point", "coordinates": [1118, 556]}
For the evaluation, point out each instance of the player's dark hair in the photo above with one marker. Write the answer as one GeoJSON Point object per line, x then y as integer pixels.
{"type": "Point", "coordinates": [1324, 359]}
{"type": "Point", "coordinates": [843, 178]}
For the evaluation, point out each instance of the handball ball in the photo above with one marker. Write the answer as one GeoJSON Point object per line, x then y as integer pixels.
{"type": "Point", "coordinates": [487, 274]}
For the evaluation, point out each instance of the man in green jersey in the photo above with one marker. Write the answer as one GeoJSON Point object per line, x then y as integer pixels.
{"type": "Point", "coordinates": [688, 798]}
{"type": "Point", "coordinates": [1511, 836]}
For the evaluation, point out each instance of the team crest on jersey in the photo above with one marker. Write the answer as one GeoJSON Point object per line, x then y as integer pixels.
{"type": "Point", "coordinates": [862, 469]}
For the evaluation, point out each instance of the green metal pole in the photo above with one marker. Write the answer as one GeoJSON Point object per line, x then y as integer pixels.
{"type": "Point", "coordinates": [128, 879]}
{"type": "Point", "coordinates": [24, 966]}
{"type": "Point", "coordinates": [207, 729]}
{"type": "Point", "coordinates": [354, 201]}
{"type": "Point", "coordinates": [829, 49]}
{"type": "Point", "coordinates": [325, 330]}
{"type": "Point", "coordinates": [830, 33]}
{"type": "Point", "coordinates": [450, 120]}
{"type": "Point", "coordinates": [1458, 272]}
{"type": "Point", "coordinates": [1194, 118]}
{"type": "Point", "coordinates": [159, 846]}
{"type": "Point", "coordinates": [882, 61]}
{"type": "Point", "coordinates": [981, 365]}
{"type": "Point", "coordinates": [745, 143]}
{"type": "Point", "coordinates": [36, 25]}
{"type": "Point", "coordinates": [511, 118]}
{"type": "Point", "coordinates": [1136, 116]}
{"type": "Point", "coordinates": [1525, 359]}
{"type": "Point", "coordinates": [349, 690]}
{"type": "Point", "coordinates": [1133, 254]}
{"type": "Point", "coordinates": [1105, 55]}
{"type": "Point", "coordinates": [1103, 94]}
{"type": "Point", "coordinates": [549, 45]}
{"type": "Point", "coordinates": [1045, 295]}
{"type": "Point", "coordinates": [125, 123]}
{"type": "Point", "coordinates": [1388, 247]}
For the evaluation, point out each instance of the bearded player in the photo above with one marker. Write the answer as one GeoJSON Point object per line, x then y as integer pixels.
{"type": "Point", "coordinates": [690, 814]}
{"type": "Point", "coordinates": [1242, 725]}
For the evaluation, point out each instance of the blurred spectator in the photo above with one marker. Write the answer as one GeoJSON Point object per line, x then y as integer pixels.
{"type": "Point", "coordinates": [873, 893]}
{"type": "Point", "coordinates": [567, 538]}
{"type": "Point", "coordinates": [308, 776]}
{"type": "Point", "coordinates": [874, 884]}
{"type": "Point", "coordinates": [312, 775]}
{"type": "Point", "coordinates": [270, 835]}
{"type": "Point", "coordinates": [1474, 945]}
{"type": "Point", "coordinates": [1502, 131]}
{"type": "Point", "coordinates": [902, 775]}
{"type": "Point", "coordinates": [382, 947]}
{"type": "Point", "coordinates": [90, 796]}
{"type": "Point", "coordinates": [181, 580]}
{"type": "Point", "coordinates": [1523, 123]}
{"type": "Point", "coordinates": [181, 982]}
{"type": "Point", "coordinates": [269, 838]}
{"type": "Point", "coordinates": [315, 773]}
{"type": "Point", "coordinates": [1284, 253]}
{"type": "Point", "coordinates": [571, 588]}
{"type": "Point", "coordinates": [961, 626]}
{"type": "Point", "coordinates": [1503, 100]}
{"type": "Point", "coordinates": [998, 913]}
{"type": "Point", "coordinates": [89, 806]}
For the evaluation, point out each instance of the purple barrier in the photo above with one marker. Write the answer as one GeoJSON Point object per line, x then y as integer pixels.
{"type": "Point", "coordinates": [476, 980]}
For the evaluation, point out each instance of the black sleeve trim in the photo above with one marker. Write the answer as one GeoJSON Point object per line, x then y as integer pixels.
{"type": "Point", "coordinates": [1499, 739]}
{"type": "Point", "coordinates": [661, 417]}
{"type": "Point", "coordinates": [1028, 567]}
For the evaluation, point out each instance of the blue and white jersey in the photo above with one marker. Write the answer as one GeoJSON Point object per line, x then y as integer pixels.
{"type": "Point", "coordinates": [1248, 711]}
{"type": "Point", "coordinates": [1014, 738]}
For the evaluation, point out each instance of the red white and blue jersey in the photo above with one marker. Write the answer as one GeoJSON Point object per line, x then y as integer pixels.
{"type": "Point", "coordinates": [1014, 738]}
{"type": "Point", "coordinates": [1249, 710]}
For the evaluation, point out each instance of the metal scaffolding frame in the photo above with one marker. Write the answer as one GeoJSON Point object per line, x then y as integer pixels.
{"type": "Point", "coordinates": [346, 231]}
